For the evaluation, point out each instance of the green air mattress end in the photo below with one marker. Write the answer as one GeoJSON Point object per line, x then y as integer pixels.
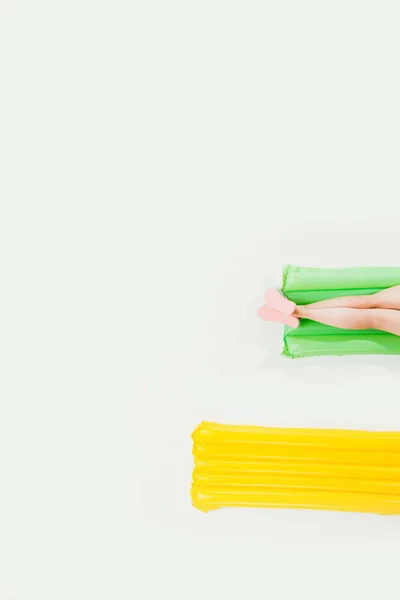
{"type": "Point", "coordinates": [306, 285]}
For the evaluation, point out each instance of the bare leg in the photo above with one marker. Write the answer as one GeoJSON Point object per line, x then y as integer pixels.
{"type": "Point", "coordinates": [353, 318]}
{"type": "Point", "coordinates": [389, 298]}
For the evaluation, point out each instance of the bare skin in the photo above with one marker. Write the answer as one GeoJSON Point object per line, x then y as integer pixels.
{"type": "Point", "coordinates": [375, 311]}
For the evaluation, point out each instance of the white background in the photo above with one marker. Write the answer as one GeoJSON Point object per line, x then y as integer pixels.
{"type": "Point", "coordinates": [160, 161]}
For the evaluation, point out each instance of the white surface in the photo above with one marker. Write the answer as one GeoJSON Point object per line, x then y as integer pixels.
{"type": "Point", "coordinates": [159, 162]}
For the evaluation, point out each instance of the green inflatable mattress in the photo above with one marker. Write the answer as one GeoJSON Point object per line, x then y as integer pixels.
{"type": "Point", "coordinates": [307, 285]}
